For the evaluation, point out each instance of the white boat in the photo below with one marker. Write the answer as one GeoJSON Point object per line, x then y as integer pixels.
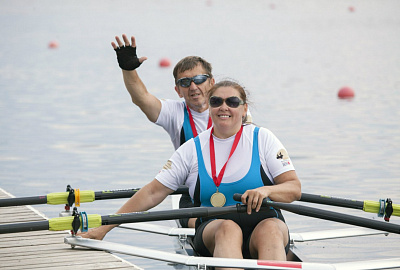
{"type": "Point", "coordinates": [184, 257]}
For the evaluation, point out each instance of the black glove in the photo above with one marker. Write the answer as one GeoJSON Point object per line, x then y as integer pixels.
{"type": "Point", "coordinates": [127, 58]}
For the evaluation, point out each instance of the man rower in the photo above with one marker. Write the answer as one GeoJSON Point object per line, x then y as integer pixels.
{"type": "Point", "coordinates": [181, 120]}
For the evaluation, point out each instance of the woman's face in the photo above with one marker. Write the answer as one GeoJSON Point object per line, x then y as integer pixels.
{"type": "Point", "coordinates": [227, 120]}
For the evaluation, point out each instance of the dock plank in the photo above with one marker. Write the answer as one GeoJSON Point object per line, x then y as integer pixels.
{"type": "Point", "coordinates": [46, 249]}
{"type": "Point", "coordinates": [58, 261]}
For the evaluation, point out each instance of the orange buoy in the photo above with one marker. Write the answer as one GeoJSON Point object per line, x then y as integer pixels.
{"type": "Point", "coordinates": [346, 92]}
{"type": "Point", "coordinates": [53, 44]}
{"type": "Point", "coordinates": [352, 9]}
{"type": "Point", "coordinates": [165, 62]}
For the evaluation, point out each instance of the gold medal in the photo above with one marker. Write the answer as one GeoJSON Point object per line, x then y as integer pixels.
{"type": "Point", "coordinates": [218, 199]}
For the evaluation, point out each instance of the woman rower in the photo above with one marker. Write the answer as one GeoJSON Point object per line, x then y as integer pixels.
{"type": "Point", "coordinates": [229, 158]}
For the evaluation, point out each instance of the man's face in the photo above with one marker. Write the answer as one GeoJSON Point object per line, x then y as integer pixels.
{"type": "Point", "coordinates": [195, 95]}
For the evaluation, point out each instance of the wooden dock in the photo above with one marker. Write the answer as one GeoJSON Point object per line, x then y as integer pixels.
{"type": "Point", "coordinates": [46, 249]}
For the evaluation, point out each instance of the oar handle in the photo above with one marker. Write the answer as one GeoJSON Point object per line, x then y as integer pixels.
{"type": "Point", "coordinates": [237, 197]}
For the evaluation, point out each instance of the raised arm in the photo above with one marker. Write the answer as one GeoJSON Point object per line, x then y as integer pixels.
{"type": "Point", "coordinates": [128, 62]}
{"type": "Point", "coordinates": [147, 197]}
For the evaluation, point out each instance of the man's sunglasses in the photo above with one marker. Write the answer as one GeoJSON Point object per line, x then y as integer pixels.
{"type": "Point", "coordinates": [198, 79]}
{"type": "Point", "coordinates": [232, 102]}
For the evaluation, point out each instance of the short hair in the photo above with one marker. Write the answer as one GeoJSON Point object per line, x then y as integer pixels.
{"type": "Point", "coordinates": [229, 83]}
{"type": "Point", "coordinates": [190, 62]}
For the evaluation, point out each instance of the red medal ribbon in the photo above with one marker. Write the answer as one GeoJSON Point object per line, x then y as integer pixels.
{"type": "Point", "coordinates": [193, 126]}
{"type": "Point", "coordinates": [217, 180]}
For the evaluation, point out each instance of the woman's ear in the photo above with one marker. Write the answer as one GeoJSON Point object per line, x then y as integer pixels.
{"type": "Point", "coordinates": [245, 110]}
{"type": "Point", "coordinates": [244, 116]}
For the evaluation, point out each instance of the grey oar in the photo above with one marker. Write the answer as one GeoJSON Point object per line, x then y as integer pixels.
{"type": "Point", "coordinates": [66, 223]}
{"type": "Point", "coordinates": [382, 208]}
{"type": "Point", "coordinates": [329, 215]}
{"type": "Point", "coordinates": [73, 223]}
{"type": "Point", "coordinates": [75, 196]}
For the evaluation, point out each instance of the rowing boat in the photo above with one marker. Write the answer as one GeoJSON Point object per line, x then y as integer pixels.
{"type": "Point", "coordinates": [184, 256]}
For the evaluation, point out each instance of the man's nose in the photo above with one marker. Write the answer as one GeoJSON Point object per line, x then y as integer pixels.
{"type": "Point", "coordinates": [192, 85]}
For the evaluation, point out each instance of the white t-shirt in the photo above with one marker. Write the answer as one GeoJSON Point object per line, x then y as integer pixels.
{"type": "Point", "coordinates": [172, 116]}
{"type": "Point", "coordinates": [182, 167]}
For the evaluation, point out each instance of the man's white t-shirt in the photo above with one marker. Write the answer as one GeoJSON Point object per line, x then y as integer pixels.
{"type": "Point", "coordinates": [172, 116]}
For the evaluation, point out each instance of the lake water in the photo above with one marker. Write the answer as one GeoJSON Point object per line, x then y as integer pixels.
{"type": "Point", "coordinates": [66, 118]}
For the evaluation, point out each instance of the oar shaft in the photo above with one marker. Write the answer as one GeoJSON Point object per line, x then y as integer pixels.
{"type": "Point", "coordinates": [333, 216]}
{"type": "Point", "coordinates": [55, 198]}
{"type": "Point", "coordinates": [321, 199]}
{"type": "Point", "coordinates": [85, 196]}
{"type": "Point", "coordinates": [330, 215]}
{"type": "Point", "coordinates": [366, 206]}
{"type": "Point", "coordinates": [114, 194]}
{"type": "Point", "coordinates": [24, 227]}
{"type": "Point", "coordinates": [195, 212]}
{"type": "Point", "coordinates": [23, 201]}
{"type": "Point", "coordinates": [127, 193]}
{"type": "Point", "coordinates": [65, 223]}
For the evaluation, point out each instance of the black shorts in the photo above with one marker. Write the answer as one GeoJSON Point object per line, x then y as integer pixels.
{"type": "Point", "coordinates": [185, 202]}
{"type": "Point", "coordinates": [246, 222]}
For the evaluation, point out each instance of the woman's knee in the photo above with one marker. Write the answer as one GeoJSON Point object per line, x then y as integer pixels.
{"type": "Point", "coordinates": [228, 228]}
{"type": "Point", "coordinates": [222, 233]}
{"type": "Point", "coordinates": [272, 226]}
{"type": "Point", "coordinates": [270, 232]}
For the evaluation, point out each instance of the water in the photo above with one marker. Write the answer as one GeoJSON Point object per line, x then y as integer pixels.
{"type": "Point", "coordinates": [66, 118]}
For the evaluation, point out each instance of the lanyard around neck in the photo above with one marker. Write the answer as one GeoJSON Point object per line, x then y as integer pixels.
{"type": "Point", "coordinates": [218, 179]}
{"type": "Point", "coordinates": [193, 126]}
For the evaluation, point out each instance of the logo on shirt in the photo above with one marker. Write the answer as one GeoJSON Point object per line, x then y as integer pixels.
{"type": "Point", "coordinates": [167, 165]}
{"type": "Point", "coordinates": [284, 157]}
{"type": "Point", "coordinates": [282, 154]}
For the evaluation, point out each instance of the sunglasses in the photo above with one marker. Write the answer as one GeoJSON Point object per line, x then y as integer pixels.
{"type": "Point", "coordinates": [232, 102]}
{"type": "Point", "coordinates": [198, 79]}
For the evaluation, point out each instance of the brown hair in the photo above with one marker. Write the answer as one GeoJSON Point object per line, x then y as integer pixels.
{"type": "Point", "coordinates": [190, 62]}
{"type": "Point", "coordinates": [229, 83]}
{"type": "Point", "coordinates": [242, 94]}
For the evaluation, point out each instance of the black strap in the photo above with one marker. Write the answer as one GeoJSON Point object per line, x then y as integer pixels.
{"type": "Point", "coordinates": [76, 223]}
{"type": "Point", "coordinates": [388, 209]}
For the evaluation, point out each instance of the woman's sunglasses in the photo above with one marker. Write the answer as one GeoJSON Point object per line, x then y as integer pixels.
{"type": "Point", "coordinates": [232, 102]}
{"type": "Point", "coordinates": [198, 79]}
